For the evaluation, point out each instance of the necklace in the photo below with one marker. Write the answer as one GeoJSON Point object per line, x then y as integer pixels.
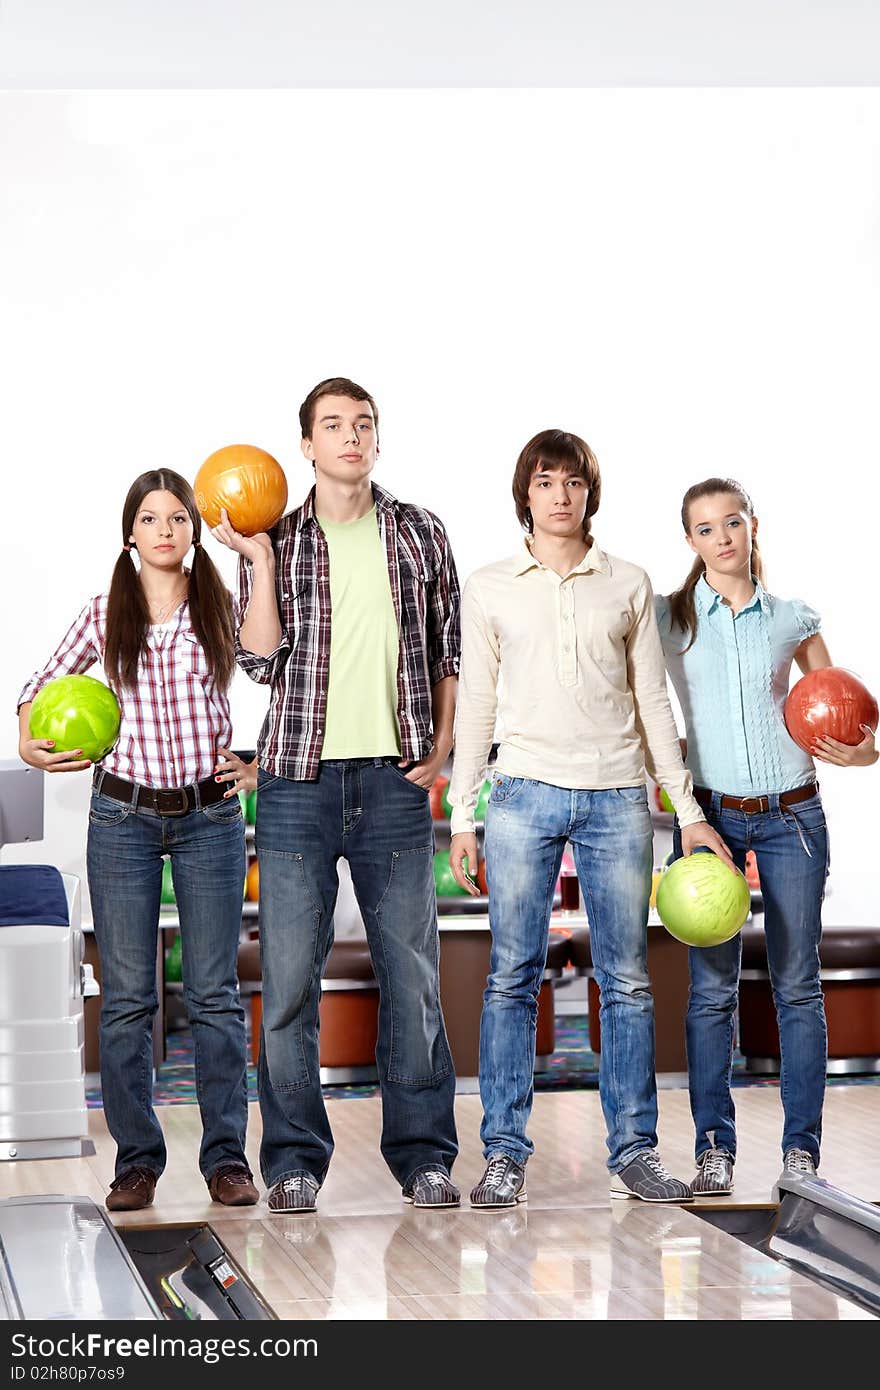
{"type": "Point", "coordinates": [159, 613]}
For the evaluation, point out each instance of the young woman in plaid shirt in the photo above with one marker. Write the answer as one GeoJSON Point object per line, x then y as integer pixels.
{"type": "Point", "coordinates": [164, 635]}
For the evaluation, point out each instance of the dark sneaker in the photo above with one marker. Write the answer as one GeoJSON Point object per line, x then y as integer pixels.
{"type": "Point", "coordinates": [645, 1177]}
{"type": "Point", "coordinates": [132, 1190]}
{"type": "Point", "coordinates": [431, 1187]}
{"type": "Point", "coordinates": [232, 1185]}
{"type": "Point", "coordinates": [715, 1174]}
{"type": "Point", "coordinates": [299, 1192]}
{"type": "Point", "coordinates": [502, 1185]}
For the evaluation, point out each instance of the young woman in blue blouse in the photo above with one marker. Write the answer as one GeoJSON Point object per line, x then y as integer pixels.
{"type": "Point", "coordinates": [729, 648]}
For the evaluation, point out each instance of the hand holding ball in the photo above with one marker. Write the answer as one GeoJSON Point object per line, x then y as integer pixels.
{"type": "Point", "coordinates": [76, 712]}
{"type": "Point", "coordinates": [248, 482]}
{"type": "Point", "coordinates": [829, 703]}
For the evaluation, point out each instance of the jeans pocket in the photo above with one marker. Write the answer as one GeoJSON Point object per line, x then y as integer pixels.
{"type": "Point", "coordinates": [265, 779]}
{"type": "Point", "coordinates": [635, 796]}
{"type": "Point", "coordinates": [225, 811]}
{"type": "Point", "coordinates": [400, 772]}
{"type": "Point", "coordinates": [107, 811]}
{"type": "Point", "coordinates": [505, 788]}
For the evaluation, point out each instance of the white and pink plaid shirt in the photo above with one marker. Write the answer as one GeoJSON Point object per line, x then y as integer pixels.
{"type": "Point", "coordinates": [174, 722]}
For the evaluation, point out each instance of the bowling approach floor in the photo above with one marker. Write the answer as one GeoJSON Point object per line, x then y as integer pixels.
{"type": "Point", "coordinates": [568, 1253]}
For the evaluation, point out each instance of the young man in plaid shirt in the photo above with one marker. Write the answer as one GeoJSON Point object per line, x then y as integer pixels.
{"type": "Point", "coordinates": [359, 724]}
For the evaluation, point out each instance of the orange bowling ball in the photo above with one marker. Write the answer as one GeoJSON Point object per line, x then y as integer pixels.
{"type": "Point", "coordinates": [252, 882]}
{"type": "Point", "coordinates": [245, 480]}
{"type": "Point", "coordinates": [481, 877]}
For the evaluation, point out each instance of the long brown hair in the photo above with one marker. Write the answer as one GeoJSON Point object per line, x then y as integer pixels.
{"type": "Point", "coordinates": [682, 610]}
{"type": "Point", "coordinates": [128, 617]}
{"type": "Point", "coordinates": [556, 449]}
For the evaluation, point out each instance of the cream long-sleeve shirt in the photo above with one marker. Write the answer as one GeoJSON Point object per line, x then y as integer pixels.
{"type": "Point", "coordinates": [572, 668]}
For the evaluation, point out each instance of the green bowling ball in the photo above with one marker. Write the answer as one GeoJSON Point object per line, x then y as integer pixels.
{"type": "Point", "coordinates": [701, 902]}
{"type": "Point", "coordinates": [174, 960]}
{"type": "Point", "coordinates": [445, 885]}
{"type": "Point", "coordinates": [250, 809]}
{"type": "Point", "coordinates": [76, 712]}
{"type": "Point", "coordinates": [482, 802]}
{"type": "Point", "coordinates": [167, 883]}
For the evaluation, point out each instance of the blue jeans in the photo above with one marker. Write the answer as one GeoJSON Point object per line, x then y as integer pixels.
{"type": "Point", "coordinates": [791, 849]}
{"type": "Point", "coordinates": [610, 832]}
{"type": "Point", "coordinates": [124, 858]}
{"type": "Point", "coordinates": [362, 809]}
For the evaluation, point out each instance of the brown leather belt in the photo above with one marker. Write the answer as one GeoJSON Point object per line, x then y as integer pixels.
{"type": "Point", "coordinates": [166, 801]}
{"type": "Point", "coordinates": [756, 805]}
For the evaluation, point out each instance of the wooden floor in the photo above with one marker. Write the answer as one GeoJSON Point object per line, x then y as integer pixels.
{"type": "Point", "coordinates": [568, 1253]}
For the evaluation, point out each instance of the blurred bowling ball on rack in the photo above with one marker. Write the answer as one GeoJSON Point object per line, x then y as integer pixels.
{"type": "Point", "coordinates": [167, 883]}
{"type": "Point", "coordinates": [252, 882]}
{"type": "Point", "coordinates": [662, 802]}
{"type": "Point", "coordinates": [482, 882]}
{"type": "Point", "coordinates": [435, 798]}
{"type": "Point", "coordinates": [829, 703]}
{"type": "Point", "coordinates": [76, 712]}
{"type": "Point", "coordinates": [245, 480]}
{"type": "Point", "coordinates": [702, 902]}
{"type": "Point", "coordinates": [752, 878]}
{"type": "Point", "coordinates": [174, 961]}
{"type": "Point", "coordinates": [445, 885]}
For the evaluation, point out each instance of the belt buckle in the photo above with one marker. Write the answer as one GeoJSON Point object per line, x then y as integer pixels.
{"type": "Point", "coordinates": [756, 807]}
{"type": "Point", "coordinates": [172, 801]}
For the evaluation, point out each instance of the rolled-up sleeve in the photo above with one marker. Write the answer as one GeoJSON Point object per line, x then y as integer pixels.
{"type": "Point", "coordinates": [75, 653]}
{"type": "Point", "coordinates": [646, 672]}
{"type": "Point", "coordinates": [443, 612]}
{"type": "Point", "coordinates": [262, 669]}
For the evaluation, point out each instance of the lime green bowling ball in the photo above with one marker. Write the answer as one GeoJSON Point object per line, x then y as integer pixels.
{"type": "Point", "coordinates": [174, 960]}
{"type": "Point", "coordinates": [444, 884]}
{"type": "Point", "coordinates": [701, 902]}
{"type": "Point", "coordinates": [167, 883]}
{"type": "Point", "coordinates": [250, 810]}
{"type": "Point", "coordinates": [76, 712]}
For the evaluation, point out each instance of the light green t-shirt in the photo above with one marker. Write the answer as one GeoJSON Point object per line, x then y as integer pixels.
{"type": "Point", "coordinates": [361, 719]}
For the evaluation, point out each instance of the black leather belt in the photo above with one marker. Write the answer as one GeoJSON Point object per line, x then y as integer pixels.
{"type": "Point", "coordinates": [166, 801]}
{"type": "Point", "coordinates": [756, 805]}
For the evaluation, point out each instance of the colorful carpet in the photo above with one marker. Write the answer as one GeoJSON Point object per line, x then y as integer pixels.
{"type": "Point", "coordinates": [572, 1067]}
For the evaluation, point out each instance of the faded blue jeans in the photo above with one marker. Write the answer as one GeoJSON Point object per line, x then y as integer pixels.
{"type": "Point", "coordinates": [610, 832]}
{"type": "Point", "coordinates": [124, 858]}
{"type": "Point", "coordinates": [791, 849]}
{"type": "Point", "coordinates": [362, 809]}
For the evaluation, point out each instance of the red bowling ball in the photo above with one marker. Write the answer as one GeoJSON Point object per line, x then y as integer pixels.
{"type": "Point", "coordinates": [829, 703]}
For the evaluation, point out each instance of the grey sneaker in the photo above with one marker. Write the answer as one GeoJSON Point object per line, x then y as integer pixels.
{"type": "Point", "coordinates": [645, 1177]}
{"type": "Point", "coordinates": [502, 1185]}
{"type": "Point", "coordinates": [797, 1163]}
{"type": "Point", "coordinates": [715, 1174]}
{"type": "Point", "coordinates": [296, 1193]}
{"type": "Point", "coordinates": [431, 1187]}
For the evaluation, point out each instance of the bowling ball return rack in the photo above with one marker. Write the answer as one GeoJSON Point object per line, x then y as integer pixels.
{"type": "Point", "coordinates": [61, 1258]}
{"type": "Point", "coordinates": [823, 1232]}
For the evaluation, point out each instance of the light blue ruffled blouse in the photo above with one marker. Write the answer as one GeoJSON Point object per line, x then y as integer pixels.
{"type": "Point", "coordinates": [732, 685]}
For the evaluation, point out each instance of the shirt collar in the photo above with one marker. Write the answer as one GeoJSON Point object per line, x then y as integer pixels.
{"type": "Point", "coordinates": [595, 559]}
{"type": "Point", "coordinates": [385, 502]}
{"type": "Point", "coordinates": [708, 599]}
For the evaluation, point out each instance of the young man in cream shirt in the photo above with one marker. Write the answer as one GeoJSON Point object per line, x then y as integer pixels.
{"type": "Point", "coordinates": [583, 710]}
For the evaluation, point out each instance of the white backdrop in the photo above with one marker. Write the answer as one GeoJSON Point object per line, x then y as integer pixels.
{"type": "Point", "coordinates": [689, 279]}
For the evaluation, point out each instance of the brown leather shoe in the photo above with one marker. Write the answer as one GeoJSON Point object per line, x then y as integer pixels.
{"type": "Point", "coordinates": [132, 1190]}
{"type": "Point", "coordinates": [232, 1186]}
